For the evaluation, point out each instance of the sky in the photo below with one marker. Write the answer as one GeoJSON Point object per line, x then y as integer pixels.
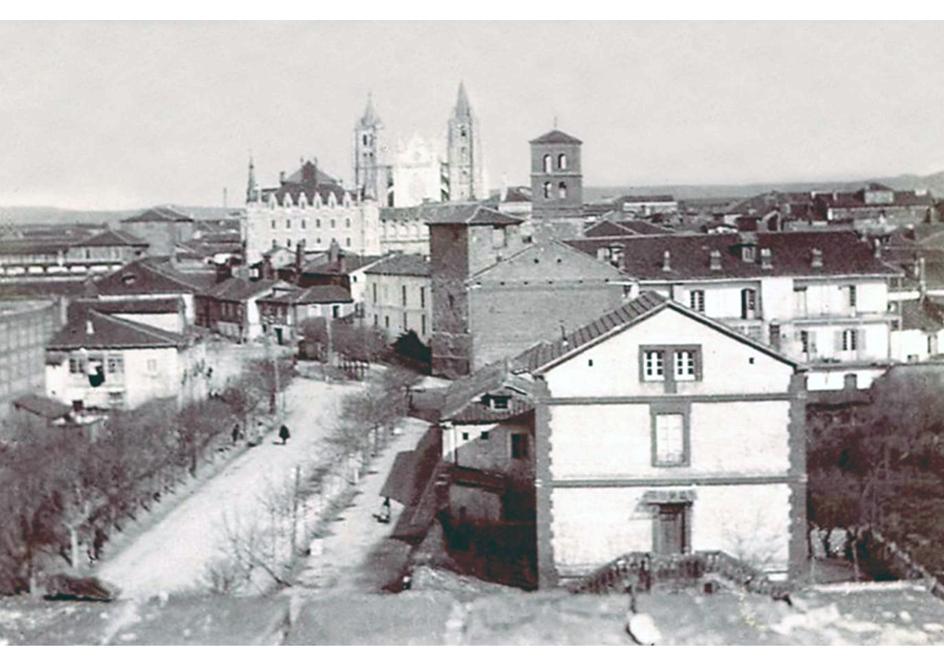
{"type": "Point", "coordinates": [126, 115]}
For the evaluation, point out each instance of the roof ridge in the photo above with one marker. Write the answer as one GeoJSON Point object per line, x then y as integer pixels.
{"type": "Point", "coordinates": [163, 335]}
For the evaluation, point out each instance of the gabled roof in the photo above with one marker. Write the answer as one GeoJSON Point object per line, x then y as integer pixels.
{"type": "Point", "coordinates": [470, 214]}
{"type": "Point", "coordinates": [556, 137]}
{"type": "Point", "coordinates": [922, 314]}
{"type": "Point", "coordinates": [643, 256]}
{"type": "Point", "coordinates": [236, 289]}
{"type": "Point", "coordinates": [402, 264]}
{"type": "Point", "coordinates": [310, 180]}
{"type": "Point", "coordinates": [463, 398]}
{"type": "Point", "coordinates": [111, 237]}
{"type": "Point", "coordinates": [160, 214]}
{"type": "Point", "coordinates": [92, 329]}
{"type": "Point", "coordinates": [517, 194]}
{"type": "Point", "coordinates": [147, 276]}
{"type": "Point", "coordinates": [616, 226]}
{"type": "Point", "coordinates": [543, 355]}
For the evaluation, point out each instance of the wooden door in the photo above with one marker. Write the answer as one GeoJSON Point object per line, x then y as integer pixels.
{"type": "Point", "coordinates": [670, 530]}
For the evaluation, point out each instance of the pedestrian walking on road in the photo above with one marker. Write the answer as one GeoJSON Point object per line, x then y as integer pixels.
{"type": "Point", "coordinates": [236, 433]}
{"type": "Point", "coordinates": [284, 434]}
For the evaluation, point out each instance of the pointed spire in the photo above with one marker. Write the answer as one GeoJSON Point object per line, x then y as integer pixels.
{"type": "Point", "coordinates": [370, 117]}
{"type": "Point", "coordinates": [463, 109]}
{"type": "Point", "coordinates": [251, 185]}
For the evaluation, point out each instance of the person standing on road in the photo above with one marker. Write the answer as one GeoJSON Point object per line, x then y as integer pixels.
{"type": "Point", "coordinates": [236, 433]}
{"type": "Point", "coordinates": [284, 434]}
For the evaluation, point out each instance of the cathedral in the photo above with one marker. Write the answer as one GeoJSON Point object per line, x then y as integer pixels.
{"type": "Point", "coordinates": [417, 170]}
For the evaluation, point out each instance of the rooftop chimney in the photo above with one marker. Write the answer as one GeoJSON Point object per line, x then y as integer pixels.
{"type": "Point", "coordinates": [282, 177]}
{"type": "Point", "coordinates": [666, 261]}
{"type": "Point", "coordinates": [334, 251]}
{"type": "Point", "coordinates": [300, 255]}
{"type": "Point", "coordinates": [816, 258]}
{"type": "Point", "coordinates": [766, 259]}
{"type": "Point", "coordinates": [877, 247]}
{"type": "Point", "coordinates": [715, 260]}
{"type": "Point", "coordinates": [89, 328]}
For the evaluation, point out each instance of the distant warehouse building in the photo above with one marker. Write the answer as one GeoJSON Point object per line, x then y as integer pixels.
{"type": "Point", "coordinates": [25, 327]}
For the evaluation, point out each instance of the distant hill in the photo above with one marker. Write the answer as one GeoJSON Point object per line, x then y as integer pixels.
{"type": "Point", "coordinates": [51, 215]}
{"type": "Point", "coordinates": [932, 182]}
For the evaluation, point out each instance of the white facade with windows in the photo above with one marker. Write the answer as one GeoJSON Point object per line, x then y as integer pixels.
{"type": "Point", "coordinates": [638, 452]}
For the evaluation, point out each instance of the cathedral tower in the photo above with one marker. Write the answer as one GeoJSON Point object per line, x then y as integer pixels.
{"type": "Point", "coordinates": [465, 157]}
{"type": "Point", "coordinates": [369, 178]}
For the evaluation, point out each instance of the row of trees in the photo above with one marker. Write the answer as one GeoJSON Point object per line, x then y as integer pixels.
{"type": "Point", "coordinates": [67, 487]}
{"type": "Point", "coordinates": [881, 466]}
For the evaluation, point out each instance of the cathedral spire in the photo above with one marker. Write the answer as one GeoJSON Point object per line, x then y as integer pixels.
{"type": "Point", "coordinates": [251, 185]}
{"type": "Point", "coordinates": [463, 109]}
{"type": "Point", "coordinates": [370, 117]}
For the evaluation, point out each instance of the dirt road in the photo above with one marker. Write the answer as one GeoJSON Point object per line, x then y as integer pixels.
{"type": "Point", "coordinates": [173, 555]}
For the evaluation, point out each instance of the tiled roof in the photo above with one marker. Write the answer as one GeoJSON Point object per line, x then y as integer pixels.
{"type": "Point", "coordinates": [110, 332]}
{"type": "Point", "coordinates": [464, 397]}
{"type": "Point", "coordinates": [556, 137]}
{"type": "Point", "coordinates": [311, 181]}
{"type": "Point", "coordinates": [615, 226]}
{"type": "Point", "coordinates": [236, 289]}
{"type": "Point", "coordinates": [402, 264]}
{"type": "Point", "coordinates": [42, 406]}
{"type": "Point", "coordinates": [313, 295]}
{"type": "Point", "coordinates": [111, 237]}
{"type": "Point", "coordinates": [147, 276]}
{"type": "Point", "coordinates": [321, 265]}
{"type": "Point", "coordinates": [160, 214]}
{"type": "Point", "coordinates": [689, 255]}
{"type": "Point", "coordinates": [923, 314]}
{"type": "Point", "coordinates": [517, 194]}
{"type": "Point", "coordinates": [127, 306]}
{"type": "Point", "coordinates": [42, 289]}
{"type": "Point", "coordinates": [466, 214]}
{"type": "Point", "coordinates": [542, 354]}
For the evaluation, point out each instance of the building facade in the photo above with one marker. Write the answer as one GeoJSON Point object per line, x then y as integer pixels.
{"type": "Point", "coordinates": [98, 361]}
{"type": "Point", "coordinates": [311, 207]}
{"type": "Point", "coordinates": [636, 450]}
{"type": "Point", "coordinates": [162, 227]}
{"type": "Point", "coordinates": [230, 308]}
{"type": "Point", "coordinates": [819, 297]}
{"type": "Point", "coordinates": [398, 296]}
{"type": "Point", "coordinates": [66, 257]}
{"type": "Point", "coordinates": [556, 176]}
{"type": "Point", "coordinates": [25, 327]}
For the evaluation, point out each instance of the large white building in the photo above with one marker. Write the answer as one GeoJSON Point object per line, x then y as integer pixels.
{"type": "Point", "coordinates": [312, 208]}
{"type": "Point", "coordinates": [819, 297]}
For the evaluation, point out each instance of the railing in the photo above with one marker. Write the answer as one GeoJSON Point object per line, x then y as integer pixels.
{"type": "Point", "coordinates": [642, 570]}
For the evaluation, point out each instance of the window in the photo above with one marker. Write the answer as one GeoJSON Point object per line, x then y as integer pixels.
{"type": "Point", "coordinates": [850, 340]}
{"type": "Point", "coordinates": [748, 253]}
{"type": "Point", "coordinates": [519, 445]}
{"type": "Point", "coordinates": [406, 324]}
{"type": "Point", "coordinates": [347, 222]}
{"type": "Point", "coordinates": [547, 189]}
{"type": "Point", "coordinates": [75, 365]}
{"type": "Point", "coordinates": [748, 303]}
{"type": "Point", "coordinates": [304, 224]}
{"type": "Point", "coordinates": [116, 399]}
{"type": "Point", "coordinates": [805, 342]}
{"type": "Point", "coordinates": [423, 324]}
{"type": "Point", "coordinates": [375, 321]}
{"type": "Point", "coordinates": [484, 435]}
{"type": "Point", "coordinates": [500, 402]}
{"type": "Point", "coordinates": [332, 223]}
{"type": "Point", "coordinates": [288, 243]}
{"type": "Point", "coordinates": [403, 294]}
{"type": "Point", "coordinates": [423, 296]}
{"type": "Point", "coordinates": [274, 243]}
{"type": "Point", "coordinates": [669, 439]}
{"type": "Point", "coordinates": [335, 311]}
{"type": "Point", "coordinates": [799, 301]}
{"type": "Point", "coordinates": [547, 163]}
{"type": "Point", "coordinates": [347, 242]}
{"type": "Point", "coordinates": [852, 296]}
{"type": "Point", "coordinates": [697, 300]}
{"type": "Point", "coordinates": [317, 223]}
{"type": "Point", "coordinates": [562, 161]}
{"type": "Point", "coordinates": [374, 290]}
{"type": "Point", "coordinates": [562, 190]}
{"type": "Point", "coordinates": [685, 364]}
{"type": "Point", "coordinates": [115, 364]}
{"type": "Point", "coordinates": [387, 322]}
{"type": "Point", "coordinates": [465, 436]}
{"type": "Point", "coordinates": [288, 224]}
{"type": "Point", "coordinates": [273, 224]}
{"type": "Point", "coordinates": [653, 366]}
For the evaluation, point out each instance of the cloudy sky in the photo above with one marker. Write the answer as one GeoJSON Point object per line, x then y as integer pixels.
{"type": "Point", "coordinates": [123, 115]}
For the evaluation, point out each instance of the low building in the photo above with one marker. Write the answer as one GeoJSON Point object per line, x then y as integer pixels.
{"type": "Point", "coordinates": [283, 311]}
{"type": "Point", "coordinates": [154, 279]}
{"type": "Point", "coordinates": [163, 227]}
{"type": "Point", "coordinates": [99, 361]}
{"type": "Point", "coordinates": [398, 296]}
{"type": "Point", "coordinates": [920, 335]}
{"type": "Point", "coordinates": [338, 267]}
{"type": "Point", "coordinates": [876, 201]}
{"type": "Point", "coordinates": [230, 308]}
{"type": "Point", "coordinates": [699, 445]}
{"type": "Point", "coordinates": [25, 327]}
{"type": "Point", "coordinates": [68, 256]}
{"type": "Point", "coordinates": [646, 205]}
